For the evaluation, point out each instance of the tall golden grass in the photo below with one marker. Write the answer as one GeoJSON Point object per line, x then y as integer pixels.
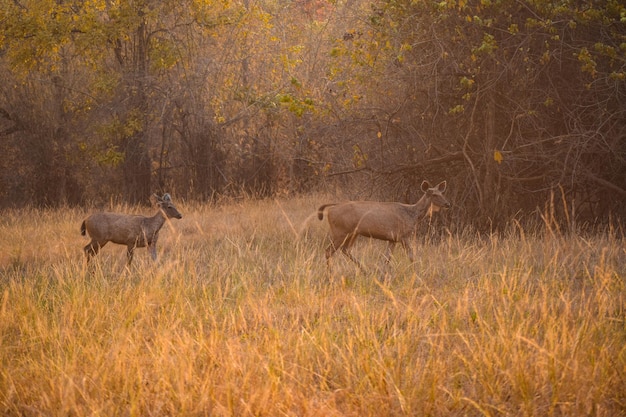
{"type": "Point", "coordinates": [240, 317]}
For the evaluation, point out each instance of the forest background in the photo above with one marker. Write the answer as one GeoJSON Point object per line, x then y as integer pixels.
{"type": "Point", "coordinates": [515, 103]}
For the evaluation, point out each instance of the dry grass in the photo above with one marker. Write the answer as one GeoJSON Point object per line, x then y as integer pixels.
{"type": "Point", "coordinates": [238, 317]}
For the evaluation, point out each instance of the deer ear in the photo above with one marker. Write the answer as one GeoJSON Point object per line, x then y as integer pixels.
{"type": "Point", "coordinates": [442, 186]}
{"type": "Point", "coordinates": [425, 186]}
{"type": "Point", "coordinates": [166, 197]}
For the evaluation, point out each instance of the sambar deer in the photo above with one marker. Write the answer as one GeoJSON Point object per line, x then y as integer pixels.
{"type": "Point", "coordinates": [389, 221]}
{"type": "Point", "coordinates": [134, 231]}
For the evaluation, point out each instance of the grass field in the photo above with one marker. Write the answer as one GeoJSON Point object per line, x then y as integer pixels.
{"type": "Point", "coordinates": [239, 317]}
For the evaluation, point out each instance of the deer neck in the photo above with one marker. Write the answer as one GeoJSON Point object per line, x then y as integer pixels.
{"type": "Point", "coordinates": [422, 207]}
{"type": "Point", "coordinates": [155, 222]}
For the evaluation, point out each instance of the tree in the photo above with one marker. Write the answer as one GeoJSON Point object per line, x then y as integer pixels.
{"type": "Point", "coordinates": [516, 100]}
{"type": "Point", "coordinates": [41, 103]}
{"type": "Point", "coordinates": [511, 101]}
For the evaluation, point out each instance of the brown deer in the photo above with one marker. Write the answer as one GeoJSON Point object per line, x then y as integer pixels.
{"type": "Point", "coordinates": [134, 231]}
{"type": "Point", "coordinates": [393, 222]}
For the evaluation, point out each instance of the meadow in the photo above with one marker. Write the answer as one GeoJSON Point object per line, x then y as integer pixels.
{"type": "Point", "coordinates": [239, 316]}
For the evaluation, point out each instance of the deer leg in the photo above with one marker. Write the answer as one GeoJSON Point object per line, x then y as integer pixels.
{"type": "Point", "coordinates": [345, 242]}
{"type": "Point", "coordinates": [390, 247]}
{"type": "Point", "coordinates": [330, 250]}
{"type": "Point", "coordinates": [345, 245]}
{"type": "Point", "coordinates": [152, 244]}
{"type": "Point", "coordinates": [92, 249]}
{"type": "Point", "coordinates": [346, 252]}
{"type": "Point", "coordinates": [387, 258]}
{"type": "Point", "coordinates": [130, 251]}
{"type": "Point", "coordinates": [345, 249]}
{"type": "Point", "coordinates": [152, 250]}
{"type": "Point", "coordinates": [409, 250]}
{"type": "Point", "coordinates": [336, 242]}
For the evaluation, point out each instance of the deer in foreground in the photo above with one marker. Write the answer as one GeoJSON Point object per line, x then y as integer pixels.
{"type": "Point", "coordinates": [134, 231]}
{"type": "Point", "coordinates": [393, 222]}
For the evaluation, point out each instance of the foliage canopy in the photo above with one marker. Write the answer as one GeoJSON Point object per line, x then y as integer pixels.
{"type": "Point", "coordinates": [510, 101]}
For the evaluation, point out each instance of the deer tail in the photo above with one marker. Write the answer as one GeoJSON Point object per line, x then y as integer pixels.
{"type": "Point", "coordinates": [320, 211]}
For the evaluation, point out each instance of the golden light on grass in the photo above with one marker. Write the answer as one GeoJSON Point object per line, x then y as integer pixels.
{"type": "Point", "coordinates": [238, 317]}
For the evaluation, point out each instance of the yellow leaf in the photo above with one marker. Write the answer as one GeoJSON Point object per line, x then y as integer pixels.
{"type": "Point", "coordinates": [497, 156]}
